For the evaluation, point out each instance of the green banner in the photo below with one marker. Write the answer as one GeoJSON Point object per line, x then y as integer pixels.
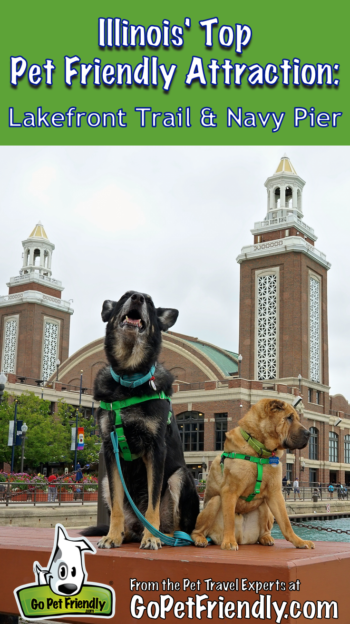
{"type": "Point", "coordinates": [106, 73]}
{"type": "Point", "coordinates": [41, 602]}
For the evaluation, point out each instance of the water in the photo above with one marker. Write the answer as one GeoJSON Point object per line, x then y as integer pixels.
{"type": "Point", "coordinates": [339, 523]}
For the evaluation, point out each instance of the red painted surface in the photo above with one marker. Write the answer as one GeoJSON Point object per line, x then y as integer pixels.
{"type": "Point", "coordinates": [323, 572]}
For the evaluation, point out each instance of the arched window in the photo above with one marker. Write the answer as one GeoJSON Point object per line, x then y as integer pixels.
{"type": "Point", "coordinates": [347, 449]}
{"type": "Point", "coordinates": [313, 443]}
{"type": "Point", "coordinates": [277, 197]}
{"type": "Point", "coordinates": [191, 427]}
{"type": "Point", "coordinates": [37, 257]}
{"type": "Point", "coordinates": [333, 447]}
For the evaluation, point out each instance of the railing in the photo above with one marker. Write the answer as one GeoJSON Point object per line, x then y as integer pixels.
{"type": "Point", "coordinates": [314, 494]}
{"type": "Point", "coordinates": [33, 493]}
{"type": "Point", "coordinates": [63, 387]}
{"type": "Point", "coordinates": [289, 219]}
{"type": "Point", "coordinates": [34, 296]}
{"type": "Point", "coordinates": [307, 493]}
{"type": "Point", "coordinates": [28, 277]}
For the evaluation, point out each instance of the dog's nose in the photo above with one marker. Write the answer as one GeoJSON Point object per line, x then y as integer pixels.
{"type": "Point", "coordinates": [137, 298]}
{"type": "Point", "coordinates": [67, 588]}
{"type": "Point", "coordinates": [308, 433]}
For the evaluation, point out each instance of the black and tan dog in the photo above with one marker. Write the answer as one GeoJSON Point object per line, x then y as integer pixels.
{"type": "Point", "coordinates": [159, 482]}
{"type": "Point", "coordinates": [276, 426]}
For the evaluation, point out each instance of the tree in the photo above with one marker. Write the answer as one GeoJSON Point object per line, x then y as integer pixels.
{"type": "Point", "coordinates": [48, 438]}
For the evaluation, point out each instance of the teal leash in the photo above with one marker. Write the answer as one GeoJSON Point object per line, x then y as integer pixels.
{"type": "Point", "coordinates": [181, 538]}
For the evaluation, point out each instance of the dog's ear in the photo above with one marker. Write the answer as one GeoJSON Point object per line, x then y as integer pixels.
{"type": "Point", "coordinates": [107, 309]}
{"type": "Point", "coordinates": [274, 405]}
{"type": "Point", "coordinates": [167, 317]}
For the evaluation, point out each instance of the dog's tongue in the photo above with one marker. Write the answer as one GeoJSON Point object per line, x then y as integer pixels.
{"type": "Point", "coordinates": [136, 322]}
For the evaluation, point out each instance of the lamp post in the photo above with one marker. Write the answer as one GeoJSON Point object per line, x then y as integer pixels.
{"type": "Point", "coordinates": [57, 366]}
{"type": "Point", "coordinates": [24, 431]}
{"type": "Point", "coordinates": [76, 422]}
{"type": "Point", "coordinates": [14, 437]}
{"type": "Point", "coordinates": [3, 380]}
{"type": "Point", "coordinates": [240, 358]}
{"type": "Point", "coordinates": [299, 378]}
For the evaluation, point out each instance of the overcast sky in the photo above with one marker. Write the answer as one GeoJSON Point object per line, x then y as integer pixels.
{"type": "Point", "coordinates": [170, 221]}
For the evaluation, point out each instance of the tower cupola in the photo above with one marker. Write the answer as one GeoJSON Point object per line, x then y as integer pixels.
{"type": "Point", "coordinates": [284, 191]}
{"type": "Point", "coordinates": [37, 254]}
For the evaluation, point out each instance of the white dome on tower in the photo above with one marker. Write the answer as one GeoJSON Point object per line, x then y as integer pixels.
{"type": "Point", "coordinates": [37, 254]}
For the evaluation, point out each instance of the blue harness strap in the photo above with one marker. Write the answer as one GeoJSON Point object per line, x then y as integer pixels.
{"type": "Point", "coordinates": [180, 537]}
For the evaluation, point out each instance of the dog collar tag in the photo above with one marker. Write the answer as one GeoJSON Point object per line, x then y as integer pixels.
{"type": "Point", "coordinates": [274, 461]}
{"type": "Point", "coordinates": [152, 384]}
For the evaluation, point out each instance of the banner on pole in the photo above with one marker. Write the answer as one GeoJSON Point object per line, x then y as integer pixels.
{"type": "Point", "coordinates": [80, 445]}
{"type": "Point", "coordinates": [18, 441]}
{"type": "Point", "coordinates": [10, 440]}
{"type": "Point", "coordinates": [72, 444]}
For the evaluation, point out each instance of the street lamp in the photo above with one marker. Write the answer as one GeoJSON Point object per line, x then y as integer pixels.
{"type": "Point", "coordinates": [24, 431]}
{"type": "Point", "coordinates": [3, 380]}
{"type": "Point", "coordinates": [57, 366]}
{"type": "Point", "coordinates": [240, 358]}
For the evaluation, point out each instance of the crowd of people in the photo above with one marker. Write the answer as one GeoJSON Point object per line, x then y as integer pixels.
{"type": "Point", "coordinates": [340, 490]}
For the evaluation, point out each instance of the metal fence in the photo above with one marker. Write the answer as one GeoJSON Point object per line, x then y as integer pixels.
{"type": "Point", "coordinates": [306, 493]}
{"type": "Point", "coordinates": [34, 493]}
{"type": "Point", "coordinates": [315, 494]}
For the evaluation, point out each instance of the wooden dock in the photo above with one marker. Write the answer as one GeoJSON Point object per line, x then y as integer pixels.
{"type": "Point", "coordinates": [316, 575]}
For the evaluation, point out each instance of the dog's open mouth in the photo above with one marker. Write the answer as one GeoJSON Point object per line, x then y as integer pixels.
{"type": "Point", "coordinates": [133, 319]}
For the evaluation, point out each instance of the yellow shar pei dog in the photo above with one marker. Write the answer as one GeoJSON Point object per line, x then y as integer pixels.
{"type": "Point", "coordinates": [249, 469]}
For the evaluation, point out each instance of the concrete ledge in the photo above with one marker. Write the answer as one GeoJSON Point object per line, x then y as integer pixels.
{"type": "Point", "coordinates": [308, 507]}
{"type": "Point", "coordinates": [303, 575]}
{"type": "Point", "coordinates": [30, 516]}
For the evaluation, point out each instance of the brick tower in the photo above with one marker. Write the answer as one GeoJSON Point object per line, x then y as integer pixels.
{"type": "Point", "coordinates": [34, 320]}
{"type": "Point", "coordinates": [283, 292]}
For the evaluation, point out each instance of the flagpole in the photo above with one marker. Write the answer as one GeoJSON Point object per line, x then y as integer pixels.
{"type": "Point", "coordinates": [14, 438]}
{"type": "Point", "coordinates": [76, 422]}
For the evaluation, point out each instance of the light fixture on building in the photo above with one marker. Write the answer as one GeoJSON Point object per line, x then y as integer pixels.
{"type": "Point", "coordinates": [299, 378]}
{"type": "Point", "coordinates": [297, 401]}
{"type": "Point", "coordinates": [240, 358]}
{"type": "Point", "coordinates": [337, 422]}
{"type": "Point", "coordinates": [302, 464]}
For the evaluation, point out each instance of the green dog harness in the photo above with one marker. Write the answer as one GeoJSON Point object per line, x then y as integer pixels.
{"type": "Point", "coordinates": [117, 406]}
{"type": "Point", "coordinates": [260, 464]}
{"type": "Point", "coordinates": [265, 457]}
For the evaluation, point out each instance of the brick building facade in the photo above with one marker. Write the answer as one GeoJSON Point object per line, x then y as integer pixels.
{"type": "Point", "coordinates": [283, 342]}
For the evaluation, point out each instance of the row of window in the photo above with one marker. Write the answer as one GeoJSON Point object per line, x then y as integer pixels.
{"type": "Point", "coordinates": [191, 427]}
{"type": "Point", "coordinates": [314, 398]}
{"type": "Point", "coordinates": [333, 446]}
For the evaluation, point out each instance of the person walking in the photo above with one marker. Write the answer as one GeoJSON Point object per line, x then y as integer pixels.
{"type": "Point", "coordinates": [331, 490]}
{"type": "Point", "coordinates": [288, 488]}
{"type": "Point", "coordinates": [52, 488]}
{"type": "Point", "coordinates": [79, 474]}
{"type": "Point", "coordinates": [296, 488]}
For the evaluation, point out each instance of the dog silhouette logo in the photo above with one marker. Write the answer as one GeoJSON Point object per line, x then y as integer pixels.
{"type": "Point", "coordinates": [66, 570]}
{"type": "Point", "coordinates": [61, 588]}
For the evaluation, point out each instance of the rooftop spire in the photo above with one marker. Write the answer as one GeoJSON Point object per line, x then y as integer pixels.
{"type": "Point", "coordinates": [38, 231]}
{"type": "Point", "coordinates": [285, 166]}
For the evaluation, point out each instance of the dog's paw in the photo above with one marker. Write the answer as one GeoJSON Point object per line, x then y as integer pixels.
{"type": "Point", "coordinates": [200, 540]}
{"type": "Point", "coordinates": [305, 544]}
{"type": "Point", "coordinates": [150, 543]}
{"type": "Point", "coordinates": [266, 540]}
{"type": "Point", "coordinates": [229, 546]}
{"type": "Point", "coordinates": [109, 542]}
